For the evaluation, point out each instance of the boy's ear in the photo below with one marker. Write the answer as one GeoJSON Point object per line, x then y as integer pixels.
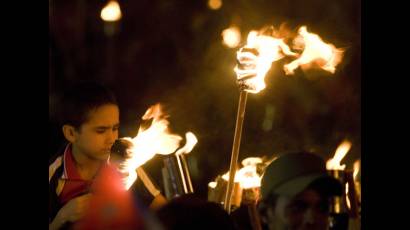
{"type": "Point", "coordinates": [69, 132]}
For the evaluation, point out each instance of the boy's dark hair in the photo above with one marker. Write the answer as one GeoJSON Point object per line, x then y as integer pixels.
{"type": "Point", "coordinates": [79, 99]}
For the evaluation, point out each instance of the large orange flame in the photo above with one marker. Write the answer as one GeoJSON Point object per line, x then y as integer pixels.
{"type": "Point", "coordinates": [325, 55]}
{"type": "Point", "coordinates": [269, 49]}
{"type": "Point", "coordinates": [156, 139]}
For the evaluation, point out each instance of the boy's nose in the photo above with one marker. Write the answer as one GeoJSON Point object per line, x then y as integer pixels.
{"type": "Point", "coordinates": [111, 137]}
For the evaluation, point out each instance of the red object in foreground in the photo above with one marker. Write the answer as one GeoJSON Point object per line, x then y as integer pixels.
{"type": "Point", "coordinates": [111, 206]}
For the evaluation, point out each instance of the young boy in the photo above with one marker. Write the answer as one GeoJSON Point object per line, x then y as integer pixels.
{"type": "Point", "coordinates": [90, 122]}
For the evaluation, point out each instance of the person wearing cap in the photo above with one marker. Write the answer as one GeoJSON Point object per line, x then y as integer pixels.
{"type": "Point", "coordinates": [296, 192]}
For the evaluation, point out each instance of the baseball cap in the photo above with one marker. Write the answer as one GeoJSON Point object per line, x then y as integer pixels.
{"type": "Point", "coordinates": [291, 173]}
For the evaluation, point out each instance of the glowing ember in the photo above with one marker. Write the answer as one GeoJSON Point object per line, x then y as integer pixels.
{"type": "Point", "coordinates": [111, 12]}
{"type": "Point", "coordinates": [341, 151]}
{"type": "Point", "coordinates": [325, 55]}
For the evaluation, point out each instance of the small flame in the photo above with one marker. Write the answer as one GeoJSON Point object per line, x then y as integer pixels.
{"type": "Point", "coordinates": [150, 141]}
{"type": "Point", "coordinates": [226, 176]}
{"type": "Point", "coordinates": [252, 161]}
{"type": "Point", "coordinates": [212, 184]}
{"type": "Point", "coordinates": [247, 176]}
{"type": "Point", "coordinates": [340, 153]}
{"type": "Point", "coordinates": [356, 168]}
{"type": "Point", "coordinates": [214, 4]}
{"type": "Point", "coordinates": [325, 55]}
{"type": "Point", "coordinates": [111, 12]}
{"type": "Point", "coordinates": [191, 141]}
{"type": "Point", "coordinates": [347, 197]}
{"type": "Point", "coordinates": [231, 36]}
{"type": "Point", "coordinates": [269, 50]}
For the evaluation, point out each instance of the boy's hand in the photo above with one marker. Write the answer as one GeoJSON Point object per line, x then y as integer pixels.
{"type": "Point", "coordinates": [74, 209]}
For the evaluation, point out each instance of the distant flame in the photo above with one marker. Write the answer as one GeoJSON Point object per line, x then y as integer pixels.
{"type": "Point", "coordinates": [356, 168]}
{"type": "Point", "coordinates": [111, 12]}
{"type": "Point", "coordinates": [269, 50]}
{"type": "Point", "coordinates": [347, 197]}
{"type": "Point", "coordinates": [214, 4]}
{"type": "Point", "coordinates": [226, 176]}
{"type": "Point", "coordinates": [247, 176]}
{"type": "Point", "coordinates": [212, 184]}
{"type": "Point", "coordinates": [340, 153]}
{"type": "Point", "coordinates": [231, 36]}
{"type": "Point", "coordinates": [325, 55]}
{"type": "Point", "coordinates": [150, 141]}
{"type": "Point", "coordinates": [191, 141]}
{"type": "Point", "coordinates": [253, 161]}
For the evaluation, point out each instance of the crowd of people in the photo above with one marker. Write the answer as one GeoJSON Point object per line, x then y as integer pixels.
{"type": "Point", "coordinates": [86, 192]}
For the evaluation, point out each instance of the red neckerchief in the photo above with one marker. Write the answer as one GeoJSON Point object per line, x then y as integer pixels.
{"type": "Point", "coordinates": [74, 185]}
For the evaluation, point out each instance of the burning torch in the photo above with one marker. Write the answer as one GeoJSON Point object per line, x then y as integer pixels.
{"type": "Point", "coordinates": [346, 207]}
{"type": "Point", "coordinates": [156, 139]}
{"type": "Point", "coordinates": [251, 183]}
{"type": "Point", "coordinates": [176, 174]}
{"type": "Point", "coordinates": [254, 61]}
{"type": "Point", "coordinates": [246, 187]}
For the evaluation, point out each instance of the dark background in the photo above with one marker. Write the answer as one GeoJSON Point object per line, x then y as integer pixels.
{"type": "Point", "coordinates": [171, 52]}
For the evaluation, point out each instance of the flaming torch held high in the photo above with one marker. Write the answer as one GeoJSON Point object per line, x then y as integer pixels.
{"type": "Point", "coordinates": [254, 61]}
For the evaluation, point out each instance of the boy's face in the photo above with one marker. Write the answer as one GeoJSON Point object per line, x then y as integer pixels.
{"type": "Point", "coordinates": [96, 136]}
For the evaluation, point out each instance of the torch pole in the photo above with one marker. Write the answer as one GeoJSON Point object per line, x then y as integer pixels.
{"type": "Point", "coordinates": [187, 175]}
{"type": "Point", "coordinates": [235, 149]}
{"type": "Point", "coordinates": [181, 172]}
{"type": "Point", "coordinates": [254, 216]}
{"type": "Point", "coordinates": [250, 198]}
